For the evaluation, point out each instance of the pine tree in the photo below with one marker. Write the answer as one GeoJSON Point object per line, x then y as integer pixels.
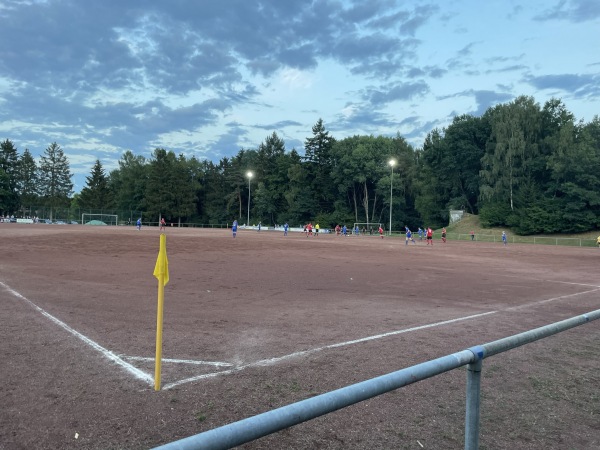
{"type": "Point", "coordinates": [55, 178]}
{"type": "Point", "coordinates": [27, 179]}
{"type": "Point", "coordinates": [9, 165]}
{"type": "Point", "coordinates": [318, 155]}
{"type": "Point", "coordinates": [96, 194]}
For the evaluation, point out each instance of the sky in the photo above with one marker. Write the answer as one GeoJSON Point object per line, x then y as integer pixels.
{"type": "Point", "coordinates": [208, 78]}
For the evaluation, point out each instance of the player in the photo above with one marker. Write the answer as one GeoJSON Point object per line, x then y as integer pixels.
{"type": "Point", "coordinates": [408, 236]}
{"type": "Point", "coordinates": [285, 228]}
{"type": "Point", "coordinates": [598, 241]}
{"type": "Point", "coordinates": [138, 224]}
{"type": "Point", "coordinates": [317, 227]}
{"type": "Point", "coordinates": [338, 229]}
{"type": "Point", "coordinates": [309, 229]}
{"type": "Point", "coordinates": [345, 230]}
{"type": "Point", "coordinates": [380, 231]}
{"type": "Point", "coordinates": [504, 238]}
{"type": "Point", "coordinates": [420, 232]}
{"type": "Point", "coordinates": [234, 228]}
{"type": "Point", "coordinates": [259, 225]}
{"type": "Point", "coordinates": [444, 235]}
{"type": "Point", "coordinates": [163, 224]}
{"type": "Point", "coordinates": [429, 236]}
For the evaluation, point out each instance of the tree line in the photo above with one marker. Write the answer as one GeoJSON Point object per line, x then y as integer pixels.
{"type": "Point", "coordinates": [532, 168]}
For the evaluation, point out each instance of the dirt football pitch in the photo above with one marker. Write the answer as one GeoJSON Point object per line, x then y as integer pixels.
{"type": "Point", "coordinates": [262, 320]}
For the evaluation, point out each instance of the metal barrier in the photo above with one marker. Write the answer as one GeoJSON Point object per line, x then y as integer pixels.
{"type": "Point", "coordinates": [252, 428]}
{"type": "Point", "coordinates": [512, 239]}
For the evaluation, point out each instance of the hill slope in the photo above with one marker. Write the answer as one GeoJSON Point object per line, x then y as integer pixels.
{"type": "Point", "coordinates": [471, 222]}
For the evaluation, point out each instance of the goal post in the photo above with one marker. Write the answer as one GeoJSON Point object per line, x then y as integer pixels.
{"type": "Point", "coordinates": [99, 219]}
{"type": "Point", "coordinates": [366, 228]}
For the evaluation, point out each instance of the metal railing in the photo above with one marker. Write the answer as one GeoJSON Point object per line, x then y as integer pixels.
{"type": "Point", "coordinates": [512, 239]}
{"type": "Point", "coordinates": [252, 428]}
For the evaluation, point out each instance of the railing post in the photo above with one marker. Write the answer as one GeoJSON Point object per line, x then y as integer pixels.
{"type": "Point", "coordinates": [473, 400]}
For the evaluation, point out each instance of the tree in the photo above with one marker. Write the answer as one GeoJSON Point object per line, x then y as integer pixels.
{"type": "Point", "coordinates": [161, 187]}
{"type": "Point", "coordinates": [575, 180]}
{"type": "Point", "coordinates": [359, 163]}
{"type": "Point", "coordinates": [300, 204]}
{"type": "Point", "coordinates": [9, 198]}
{"type": "Point", "coordinates": [404, 184]}
{"type": "Point", "coordinates": [511, 155]}
{"type": "Point", "coordinates": [55, 178]}
{"type": "Point", "coordinates": [236, 183]}
{"type": "Point", "coordinates": [5, 194]}
{"type": "Point", "coordinates": [27, 179]}
{"type": "Point", "coordinates": [186, 187]}
{"type": "Point", "coordinates": [271, 177]}
{"type": "Point", "coordinates": [213, 201]}
{"type": "Point", "coordinates": [96, 194]}
{"type": "Point", "coordinates": [433, 186]}
{"type": "Point", "coordinates": [128, 183]}
{"type": "Point", "coordinates": [318, 165]}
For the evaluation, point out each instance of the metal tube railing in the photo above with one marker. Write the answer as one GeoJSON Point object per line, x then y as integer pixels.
{"type": "Point", "coordinates": [255, 427]}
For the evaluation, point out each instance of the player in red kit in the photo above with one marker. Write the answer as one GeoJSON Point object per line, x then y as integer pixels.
{"type": "Point", "coordinates": [429, 236]}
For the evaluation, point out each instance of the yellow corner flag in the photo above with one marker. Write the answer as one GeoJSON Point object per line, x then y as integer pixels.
{"type": "Point", "coordinates": [161, 271]}
{"type": "Point", "coordinates": [162, 262]}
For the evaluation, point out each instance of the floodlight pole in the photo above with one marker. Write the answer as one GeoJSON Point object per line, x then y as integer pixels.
{"type": "Point", "coordinates": [249, 174]}
{"type": "Point", "coordinates": [392, 163]}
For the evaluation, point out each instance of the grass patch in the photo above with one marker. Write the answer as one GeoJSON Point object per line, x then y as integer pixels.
{"type": "Point", "coordinates": [201, 416]}
{"type": "Point", "coordinates": [461, 230]}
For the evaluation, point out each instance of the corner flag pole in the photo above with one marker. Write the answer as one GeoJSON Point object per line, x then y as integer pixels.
{"type": "Point", "coordinates": [161, 271]}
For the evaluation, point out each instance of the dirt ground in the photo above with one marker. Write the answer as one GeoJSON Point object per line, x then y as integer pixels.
{"type": "Point", "coordinates": [247, 325]}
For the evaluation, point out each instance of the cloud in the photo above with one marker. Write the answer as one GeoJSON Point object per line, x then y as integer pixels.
{"type": "Point", "coordinates": [572, 10]}
{"type": "Point", "coordinates": [394, 92]}
{"type": "Point", "coordinates": [207, 78]}
{"type": "Point", "coordinates": [484, 99]}
{"type": "Point", "coordinates": [279, 125]}
{"type": "Point", "coordinates": [580, 86]}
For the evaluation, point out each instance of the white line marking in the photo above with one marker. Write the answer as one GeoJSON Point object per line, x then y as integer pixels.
{"type": "Point", "coordinates": [270, 361]}
{"type": "Point", "coordinates": [107, 353]}
{"type": "Point", "coordinates": [145, 377]}
{"type": "Point", "coordinates": [541, 302]}
{"type": "Point", "coordinates": [577, 284]}
{"type": "Point", "coordinates": [265, 362]}
{"type": "Point", "coordinates": [179, 361]}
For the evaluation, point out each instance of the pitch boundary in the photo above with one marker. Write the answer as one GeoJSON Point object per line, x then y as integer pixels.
{"type": "Point", "coordinates": [149, 379]}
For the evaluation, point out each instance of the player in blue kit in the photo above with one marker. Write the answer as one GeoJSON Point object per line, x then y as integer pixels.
{"type": "Point", "coordinates": [285, 229]}
{"type": "Point", "coordinates": [234, 228]}
{"type": "Point", "coordinates": [409, 236]}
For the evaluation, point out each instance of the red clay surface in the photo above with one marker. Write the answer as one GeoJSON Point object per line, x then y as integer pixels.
{"type": "Point", "coordinates": [76, 301]}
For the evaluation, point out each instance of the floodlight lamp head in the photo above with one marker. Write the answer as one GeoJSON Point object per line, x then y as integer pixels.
{"type": "Point", "coordinates": [392, 162]}
{"type": "Point", "coordinates": [249, 174]}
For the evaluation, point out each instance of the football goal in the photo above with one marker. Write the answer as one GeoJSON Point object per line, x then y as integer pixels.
{"type": "Point", "coordinates": [365, 228]}
{"type": "Point", "coordinates": [99, 219]}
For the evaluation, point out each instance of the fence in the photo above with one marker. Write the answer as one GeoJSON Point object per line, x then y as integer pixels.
{"type": "Point", "coordinates": [573, 242]}
{"type": "Point", "coordinates": [184, 224]}
{"type": "Point", "coordinates": [247, 430]}
{"type": "Point", "coordinates": [68, 215]}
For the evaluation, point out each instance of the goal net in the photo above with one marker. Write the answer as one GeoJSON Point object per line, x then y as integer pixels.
{"type": "Point", "coordinates": [99, 219]}
{"type": "Point", "coordinates": [365, 228]}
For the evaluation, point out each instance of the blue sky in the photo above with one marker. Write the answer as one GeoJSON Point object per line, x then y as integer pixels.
{"type": "Point", "coordinates": [207, 78]}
